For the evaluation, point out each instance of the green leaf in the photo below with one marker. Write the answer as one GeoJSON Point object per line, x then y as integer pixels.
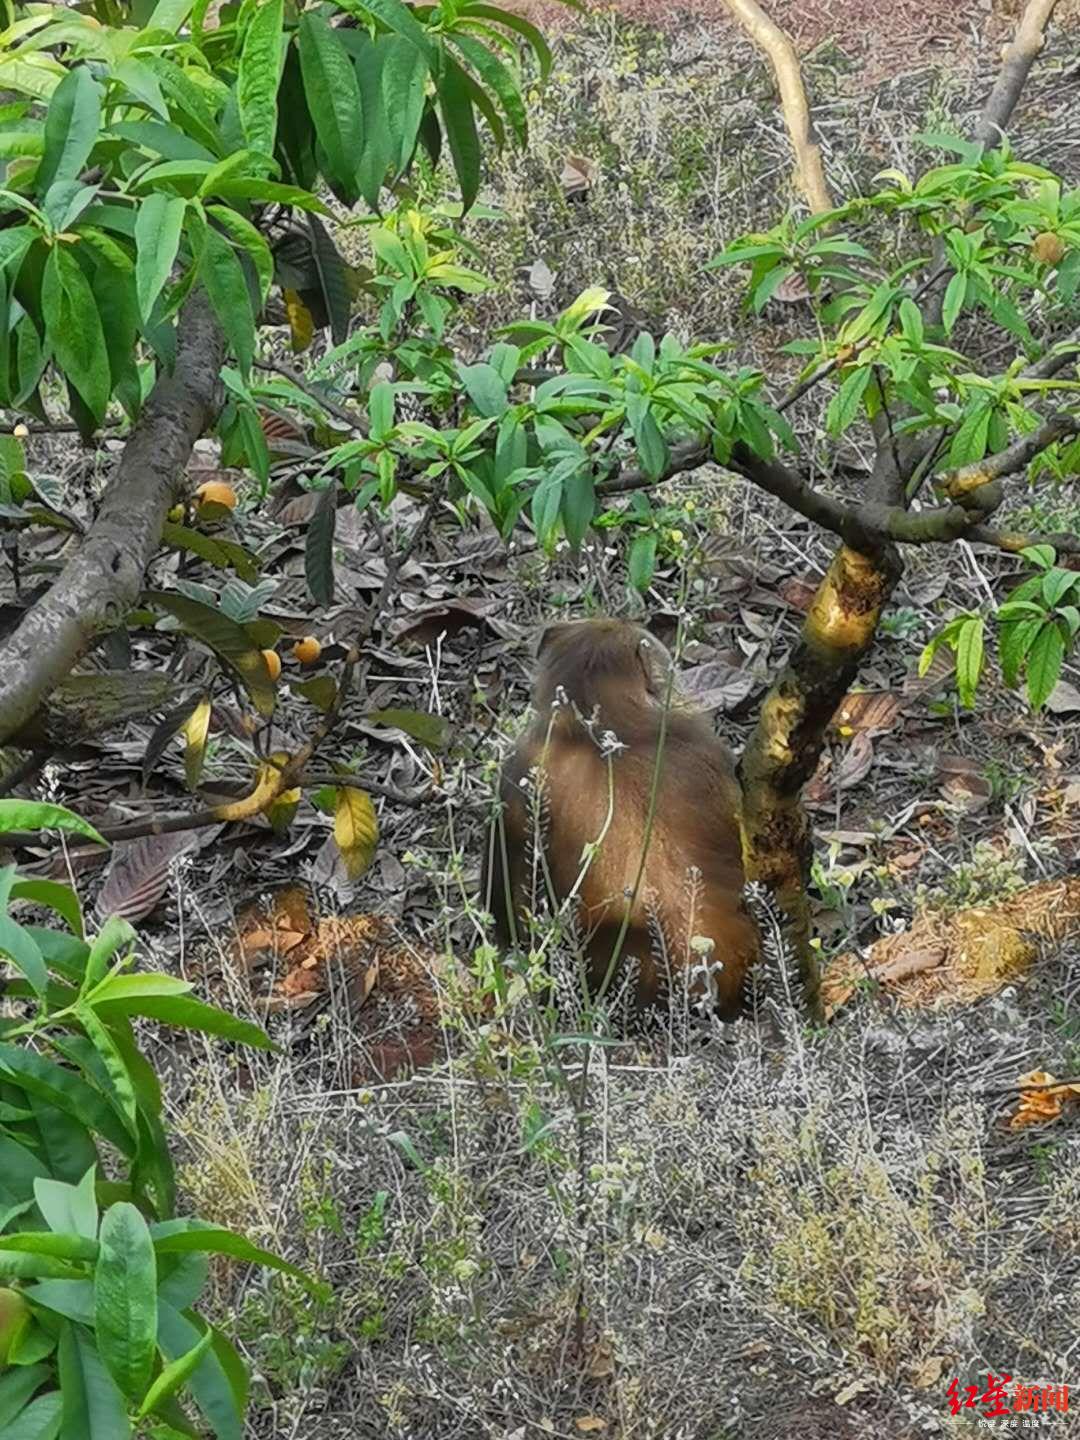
{"type": "Point", "coordinates": [369, 58]}
{"type": "Point", "coordinates": [121, 986]}
{"type": "Point", "coordinates": [498, 79]}
{"type": "Point", "coordinates": [16, 1388]}
{"type": "Point", "coordinates": [72, 125]}
{"type": "Point", "coordinates": [125, 1299]}
{"type": "Point", "coordinates": [404, 77]}
{"type": "Point", "coordinates": [459, 123]}
{"type": "Point", "coordinates": [525, 28]}
{"type": "Point", "coordinates": [545, 506]}
{"type": "Point", "coordinates": [176, 1373]}
{"type": "Point", "coordinates": [651, 446]}
{"type": "Point", "coordinates": [319, 547]}
{"type": "Point", "coordinates": [970, 441]}
{"type": "Point", "coordinates": [1057, 584]}
{"type": "Point", "coordinates": [955, 295]}
{"type": "Point", "coordinates": [867, 318]}
{"type": "Point", "coordinates": [1014, 642]}
{"type": "Point", "coordinates": [211, 1240]}
{"type": "Point", "coordinates": [1044, 661]}
{"type": "Point", "coordinates": [228, 640]}
{"type": "Point", "coordinates": [19, 947]}
{"type": "Point", "coordinates": [740, 254]}
{"type": "Point", "coordinates": [333, 98]}
{"type": "Point", "coordinates": [41, 1418]}
{"type": "Point", "coordinates": [74, 331]}
{"type": "Point", "coordinates": [243, 233]}
{"type": "Point", "coordinates": [769, 284]}
{"type": "Point", "coordinates": [65, 1144]}
{"type": "Point", "coordinates": [642, 560]}
{"type": "Point", "coordinates": [74, 1299]}
{"type": "Point", "coordinates": [59, 1086]}
{"type": "Point", "coordinates": [169, 15]}
{"type": "Point", "coordinates": [208, 1382]}
{"type": "Point", "coordinates": [485, 387]}
{"type": "Point", "coordinates": [396, 17]}
{"type": "Point", "coordinates": [430, 730]}
{"type": "Point", "coordinates": [93, 1406]}
{"type": "Point", "coordinates": [159, 223]}
{"type": "Point", "coordinates": [321, 691]}
{"type": "Point", "coordinates": [578, 506]}
{"type": "Point", "coordinates": [19, 1168]}
{"type": "Point", "coordinates": [260, 74]}
{"type": "Point", "coordinates": [332, 279]}
{"type": "Point", "coordinates": [114, 934]}
{"type": "Point", "coordinates": [14, 244]}
{"type": "Point", "coordinates": [224, 555]}
{"type": "Point", "coordinates": [56, 896]}
{"type": "Point", "coordinates": [844, 405]}
{"type": "Point", "coordinates": [911, 321]}
{"type": "Point", "coordinates": [969, 659]}
{"type": "Point", "coordinates": [69, 1208]}
{"type": "Point", "coordinates": [1042, 557]}
{"type": "Point", "coordinates": [223, 278]}
{"type": "Point", "coordinates": [245, 187]}
{"type": "Point", "coordinates": [44, 1242]}
{"type": "Point", "coordinates": [188, 1014]}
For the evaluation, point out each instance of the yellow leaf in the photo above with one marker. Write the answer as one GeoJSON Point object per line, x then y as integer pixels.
{"type": "Point", "coordinates": [195, 730]}
{"type": "Point", "coordinates": [588, 1424]}
{"type": "Point", "coordinates": [356, 830]}
{"type": "Point", "coordinates": [301, 322]}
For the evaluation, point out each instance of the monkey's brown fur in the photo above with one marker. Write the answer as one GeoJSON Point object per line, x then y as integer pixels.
{"type": "Point", "coordinates": [615, 671]}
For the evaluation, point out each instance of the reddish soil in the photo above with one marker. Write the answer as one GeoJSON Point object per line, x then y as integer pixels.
{"type": "Point", "coordinates": [889, 39]}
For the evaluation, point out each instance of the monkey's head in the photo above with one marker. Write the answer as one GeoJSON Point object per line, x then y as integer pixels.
{"type": "Point", "coordinates": [613, 664]}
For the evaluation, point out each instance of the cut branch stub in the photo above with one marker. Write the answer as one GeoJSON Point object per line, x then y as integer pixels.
{"type": "Point", "coordinates": [786, 743]}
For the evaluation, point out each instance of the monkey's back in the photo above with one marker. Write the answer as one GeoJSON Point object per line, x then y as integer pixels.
{"type": "Point", "coordinates": [692, 879]}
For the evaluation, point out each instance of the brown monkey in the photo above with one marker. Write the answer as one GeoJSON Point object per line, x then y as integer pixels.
{"type": "Point", "coordinates": [600, 691]}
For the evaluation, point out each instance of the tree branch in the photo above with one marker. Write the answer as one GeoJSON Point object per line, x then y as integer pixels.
{"type": "Point", "coordinates": [800, 127]}
{"type": "Point", "coordinates": [103, 579]}
{"type": "Point", "coordinates": [963, 484]}
{"type": "Point", "coordinates": [1013, 541]}
{"type": "Point", "coordinates": [1019, 57]}
{"type": "Point", "coordinates": [1000, 103]}
{"type": "Point", "coordinates": [686, 455]}
{"type": "Point", "coordinates": [1064, 353]}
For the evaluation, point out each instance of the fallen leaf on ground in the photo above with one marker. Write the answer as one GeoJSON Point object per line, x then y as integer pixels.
{"type": "Point", "coordinates": [874, 710]}
{"type": "Point", "coordinates": [797, 593]}
{"type": "Point", "coordinates": [1064, 699]}
{"type": "Point", "coordinates": [854, 765]}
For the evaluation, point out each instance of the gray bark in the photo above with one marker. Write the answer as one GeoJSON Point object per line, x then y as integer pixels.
{"type": "Point", "coordinates": [104, 578]}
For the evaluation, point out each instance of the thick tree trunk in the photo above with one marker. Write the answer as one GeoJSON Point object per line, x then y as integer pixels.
{"type": "Point", "coordinates": [783, 749]}
{"type": "Point", "coordinates": [103, 579]}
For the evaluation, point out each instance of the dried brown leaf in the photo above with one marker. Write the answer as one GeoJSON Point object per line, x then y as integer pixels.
{"type": "Point", "coordinates": [867, 710]}
{"type": "Point", "coordinates": [139, 874]}
{"type": "Point", "coordinates": [855, 763]}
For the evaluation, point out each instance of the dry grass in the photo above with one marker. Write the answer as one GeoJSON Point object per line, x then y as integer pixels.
{"type": "Point", "coordinates": [752, 1240]}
